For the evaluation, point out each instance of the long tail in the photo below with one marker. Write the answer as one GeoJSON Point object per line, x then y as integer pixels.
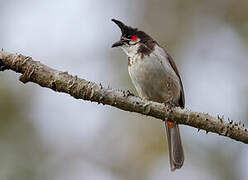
{"type": "Point", "coordinates": [175, 146]}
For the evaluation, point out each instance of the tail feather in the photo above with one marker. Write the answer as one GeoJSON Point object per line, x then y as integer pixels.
{"type": "Point", "coordinates": [175, 146]}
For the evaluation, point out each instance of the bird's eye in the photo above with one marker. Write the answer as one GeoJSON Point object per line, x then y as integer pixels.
{"type": "Point", "coordinates": [134, 38]}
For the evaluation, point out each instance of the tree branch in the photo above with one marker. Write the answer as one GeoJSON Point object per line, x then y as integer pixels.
{"type": "Point", "coordinates": [34, 71]}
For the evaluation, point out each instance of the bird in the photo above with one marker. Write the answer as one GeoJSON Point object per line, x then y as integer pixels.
{"type": "Point", "coordinates": [155, 77]}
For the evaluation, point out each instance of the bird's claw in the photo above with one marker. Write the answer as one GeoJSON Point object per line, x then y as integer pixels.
{"type": "Point", "coordinates": [170, 104]}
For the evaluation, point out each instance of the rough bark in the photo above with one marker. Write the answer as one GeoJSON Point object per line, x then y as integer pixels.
{"type": "Point", "coordinates": [34, 71]}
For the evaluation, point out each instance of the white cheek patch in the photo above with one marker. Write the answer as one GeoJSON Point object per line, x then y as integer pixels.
{"type": "Point", "coordinates": [132, 42]}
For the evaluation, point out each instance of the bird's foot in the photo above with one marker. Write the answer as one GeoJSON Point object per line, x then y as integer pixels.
{"type": "Point", "coordinates": [170, 104]}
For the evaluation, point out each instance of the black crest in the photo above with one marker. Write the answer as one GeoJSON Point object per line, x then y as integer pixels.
{"type": "Point", "coordinates": [128, 31]}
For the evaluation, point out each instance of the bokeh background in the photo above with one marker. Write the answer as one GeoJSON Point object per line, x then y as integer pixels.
{"type": "Point", "coordinates": [48, 135]}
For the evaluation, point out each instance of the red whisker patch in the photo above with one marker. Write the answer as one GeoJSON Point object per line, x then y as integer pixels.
{"type": "Point", "coordinates": [134, 38]}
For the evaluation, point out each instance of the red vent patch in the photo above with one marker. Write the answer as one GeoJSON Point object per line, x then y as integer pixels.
{"type": "Point", "coordinates": [170, 124]}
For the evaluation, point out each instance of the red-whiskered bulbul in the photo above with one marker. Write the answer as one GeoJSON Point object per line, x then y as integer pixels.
{"type": "Point", "coordinates": [156, 78]}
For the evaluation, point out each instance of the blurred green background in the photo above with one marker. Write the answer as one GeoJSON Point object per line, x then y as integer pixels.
{"type": "Point", "coordinates": [48, 135]}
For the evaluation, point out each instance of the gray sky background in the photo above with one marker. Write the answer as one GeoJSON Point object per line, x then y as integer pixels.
{"type": "Point", "coordinates": [48, 135]}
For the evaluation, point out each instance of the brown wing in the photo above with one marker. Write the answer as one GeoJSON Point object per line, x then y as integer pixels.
{"type": "Point", "coordinates": [173, 65]}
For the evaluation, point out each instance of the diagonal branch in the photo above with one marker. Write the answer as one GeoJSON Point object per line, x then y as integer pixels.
{"type": "Point", "coordinates": [34, 71]}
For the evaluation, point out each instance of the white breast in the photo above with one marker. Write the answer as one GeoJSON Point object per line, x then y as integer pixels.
{"type": "Point", "coordinates": [153, 76]}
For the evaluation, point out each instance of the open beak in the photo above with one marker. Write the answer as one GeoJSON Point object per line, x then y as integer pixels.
{"type": "Point", "coordinates": [123, 27]}
{"type": "Point", "coordinates": [118, 43]}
